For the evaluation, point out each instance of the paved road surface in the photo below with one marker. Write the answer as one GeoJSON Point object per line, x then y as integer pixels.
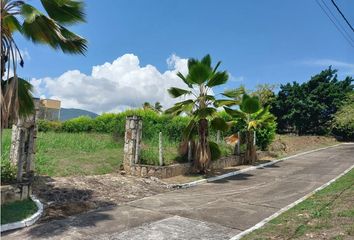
{"type": "Point", "coordinates": [217, 210]}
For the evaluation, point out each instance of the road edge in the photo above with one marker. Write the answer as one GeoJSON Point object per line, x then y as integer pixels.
{"type": "Point", "coordinates": [27, 221]}
{"type": "Point", "coordinates": [284, 209]}
{"type": "Point", "coordinates": [230, 174]}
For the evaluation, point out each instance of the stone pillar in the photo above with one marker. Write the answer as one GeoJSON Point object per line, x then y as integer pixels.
{"type": "Point", "coordinates": [22, 149]}
{"type": "Point", "coordinates": [132, 141]}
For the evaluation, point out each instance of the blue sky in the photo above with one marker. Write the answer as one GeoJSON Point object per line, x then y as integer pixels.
{"type": "Point", "coordinates": [257, 41]}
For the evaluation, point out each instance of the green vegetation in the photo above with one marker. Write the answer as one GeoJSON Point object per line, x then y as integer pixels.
{"type": "Point", "coordinates": [251, 116]}
{"type": "Point", "coordinates": [329, 213]}
{"type": "Point", "coordinates": [200, 80]}
{"type": "Point", "coordinates": [67, 154]}
{"type": "Point", "coordinates": [49, 28]}
{"type": "Point", "coordinates": [308, 108]}
{"type": "Point", "coordinates": [343, 124]}
{"type": "Point", "coordinates": [17, 211]}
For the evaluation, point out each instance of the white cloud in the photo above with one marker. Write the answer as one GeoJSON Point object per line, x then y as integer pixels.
{"type": "Point", "coordinates": [115, 86]}
{"type": "Point", "coordinates": [345, 67]}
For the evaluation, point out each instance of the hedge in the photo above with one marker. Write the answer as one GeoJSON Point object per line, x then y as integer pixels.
{"type": "Point", "coordinates": [153, 123]}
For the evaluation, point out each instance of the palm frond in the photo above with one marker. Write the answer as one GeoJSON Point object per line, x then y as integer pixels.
{"type": "Point", "coordinates": [189, 130]}
{"type": "Point", "coordinates": [205, 112]}
{"type": "Point", "coordinates": [219, 124]}
{"type": "Point", "coordinates": [225, 102]}
{"type": "Point", "coordinates": [177, 92]}
{"type": "Point", "coordinates": [218, 78]}
{"type": "Point", "coordinates": [234, 93]}
{"type": "Point", "coordinates": [250, 104]}
{"type": "Point", "coordinates": [235, 113]}
{"type": "Point", "coordinates": [184, 79]}
{"type": "Point", "coordinates": [40, 29]}
{"type": "Point", "coordinates": [206, 60]}
{"type": "Point", "coordinates": [199, 73]}
{"type": "Point", "coordinates": [65, 11]}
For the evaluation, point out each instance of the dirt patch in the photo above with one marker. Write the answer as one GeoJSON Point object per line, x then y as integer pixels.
{"type": "Point", "coordinates": [284, 145]}
{"type": "Point", "coordinates": [66, 196]}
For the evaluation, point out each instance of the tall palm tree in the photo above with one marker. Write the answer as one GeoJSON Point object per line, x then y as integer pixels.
{"type": "Point", "coordinates": [49, 29]}
{"type": "Point", "coordinates": [201, 78]}
{"type": "Point", "coordinates": [251, 113]}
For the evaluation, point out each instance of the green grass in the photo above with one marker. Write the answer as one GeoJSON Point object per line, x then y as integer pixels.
{"type": "Point", "coordinates": [328, 214]}
{"type": "Point", "coordinates": [68, 154]}
{"type": "Point", "coordinates": [150, 152]}
{"type": "Point", "coordinates": [17, 211]}
{"type": "Point", "coordinates": [74, 154]}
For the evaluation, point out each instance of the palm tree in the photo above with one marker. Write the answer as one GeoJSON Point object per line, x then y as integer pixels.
{"type": "Point", "coordinates": [251, 113]}
{"type": "Point", "coordinates": [158, 107]}
{"type": "Point", "coordinates": [201, 78]}
{"type": "Point", "coordinates": [147, 106]}
{"type": "Point", "coordinates": [50, 29]}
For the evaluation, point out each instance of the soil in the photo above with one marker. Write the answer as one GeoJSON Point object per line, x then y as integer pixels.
{"type": "Point", "coordinates": [284, 145]}
{"type": "Point", "coordinates": [66, 196]}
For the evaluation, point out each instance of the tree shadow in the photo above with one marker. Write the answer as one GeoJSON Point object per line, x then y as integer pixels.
{"type": "Point", "coordinates": [238, 177]}
{"type": "Point", "coordinates": [58, 227]}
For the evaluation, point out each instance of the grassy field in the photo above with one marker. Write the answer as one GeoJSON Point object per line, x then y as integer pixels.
{"type": "Point", "coordinates": [329, 214]}
{"type": "Point", "coordinates": [69, 154]}
{"type": "Point", "coordinates": [73, 154]}
{"type": "Point", "coordinates": [16, 211]}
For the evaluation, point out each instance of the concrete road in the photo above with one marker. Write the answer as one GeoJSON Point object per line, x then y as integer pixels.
{"type": "Point", "coordinates": [217, 210]}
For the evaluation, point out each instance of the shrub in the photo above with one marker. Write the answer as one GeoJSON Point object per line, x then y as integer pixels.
{"type": "Point", "coordinates": [8, 172]}
{"type": "Point", "coordinates": [45, 125]}
{"type": "Point", "coordinates": [265, 135]}
{"type": "Point", "coordinates": [343, 124]}
{"type": "Point", "coordinates": [79, 124]}
{"type": "Point", "coordinates": [105, 123]}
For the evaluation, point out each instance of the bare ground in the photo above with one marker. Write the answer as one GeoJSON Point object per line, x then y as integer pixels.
{"type": "Point", "coordinates": [66, 196]}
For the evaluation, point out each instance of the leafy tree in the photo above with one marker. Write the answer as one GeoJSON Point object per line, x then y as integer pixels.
{"type": "Point", "coordinates": [266, 94]}
{"type": "Point", "coordinates": [308, 108]}
{"type": "Point", "coordinates": [201, 78]}
{"type": "Point", "coordinates": [343, 122]}
{"type": "Point", "coordinates": [50, 29]}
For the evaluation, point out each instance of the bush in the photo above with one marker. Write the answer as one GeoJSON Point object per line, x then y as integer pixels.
{"type": "Point", "coordinates": [8, 172]}
{"type": "Point", "coordinates": [343, 124]}
{"type": "Point", "coordinates": [105, 123]}
{"type": "Point", "coordinates": [265, 135]}
{"type": "Point", "coordinates": [79, 124]}
{"type": "Point", "coordinates": [45, 125]}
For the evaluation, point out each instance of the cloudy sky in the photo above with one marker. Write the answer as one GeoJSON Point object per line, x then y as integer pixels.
{"type": "Point", "coordinates": [136, 47]}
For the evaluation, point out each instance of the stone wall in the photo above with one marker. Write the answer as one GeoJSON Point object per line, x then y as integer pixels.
{"type": "Point", "coordinates": [161, 172]}
{"type": "Point", "coordinates": [131, 162]}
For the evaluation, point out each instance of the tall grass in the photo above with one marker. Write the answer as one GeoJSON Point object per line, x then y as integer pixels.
{"type": "Point", "coordinates": [64, 154]}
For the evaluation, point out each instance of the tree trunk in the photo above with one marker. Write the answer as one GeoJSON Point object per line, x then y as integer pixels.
{"type": "Point", "coordinates": [251, 153]}
{"type": "Point", "coordinates": [203, 154]}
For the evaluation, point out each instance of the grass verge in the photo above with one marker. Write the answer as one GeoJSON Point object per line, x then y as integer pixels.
{"type": "Point", "coordinates": [328, 214]}
{"type": "Point", "coordinates": [17, 211]}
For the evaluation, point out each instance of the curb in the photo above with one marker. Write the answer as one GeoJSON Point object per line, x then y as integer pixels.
{"type": "Point", "coordinates": [284, 209]}
{"type": "Point", "coordinates": [25, 222]}
{"type": "Point", "coordinates": [230, 174]}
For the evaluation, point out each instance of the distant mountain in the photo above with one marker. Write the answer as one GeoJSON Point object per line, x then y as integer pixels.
{"type": "Point", "coordinates": [68, 113]}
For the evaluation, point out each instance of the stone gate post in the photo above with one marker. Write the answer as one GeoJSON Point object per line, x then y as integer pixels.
{"type": "Point", "coordinates": [132, 141]}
